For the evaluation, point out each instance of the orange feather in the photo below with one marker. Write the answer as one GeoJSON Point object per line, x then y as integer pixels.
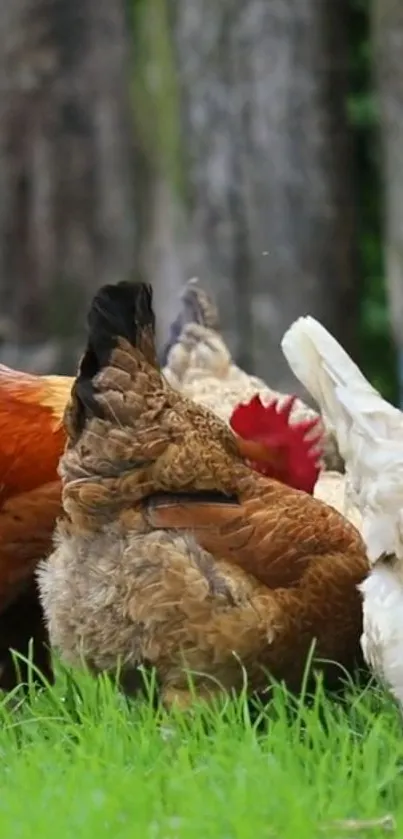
{"type": "Point", "coordinates": [32, 439]}
{"type": "Point", "coordinates": [32, 435]}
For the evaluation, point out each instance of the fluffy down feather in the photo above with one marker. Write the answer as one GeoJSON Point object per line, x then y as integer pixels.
{"type": "Point", "coordinates": [172, 552]}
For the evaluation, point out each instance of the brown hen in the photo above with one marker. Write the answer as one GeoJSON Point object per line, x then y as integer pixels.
{"type": "Point", "coordinates": [172, 551]}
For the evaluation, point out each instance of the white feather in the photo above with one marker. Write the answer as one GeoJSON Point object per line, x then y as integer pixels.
{"type": "Point", "coordinates": [368, 429]}
{"type": "Point", "coordinates": [369, 432]}
{"type": "Point", "coordinates": [382, 640]}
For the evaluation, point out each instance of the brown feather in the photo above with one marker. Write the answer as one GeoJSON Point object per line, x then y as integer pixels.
{"type": "Point", "coordinates": [254, 532]}
{"type": "Point", "coordinates": [143, 573]}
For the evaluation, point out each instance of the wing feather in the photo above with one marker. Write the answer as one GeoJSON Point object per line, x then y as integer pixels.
{"type": "Point", "coordinates": [270, 534]}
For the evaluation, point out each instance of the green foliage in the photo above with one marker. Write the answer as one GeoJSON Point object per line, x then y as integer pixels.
{"type": "Point", "coordinates": [378, 353]}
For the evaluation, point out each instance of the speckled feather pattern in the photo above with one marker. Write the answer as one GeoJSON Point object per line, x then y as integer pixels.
{"type": "Point", "coordinates": [140, 577]}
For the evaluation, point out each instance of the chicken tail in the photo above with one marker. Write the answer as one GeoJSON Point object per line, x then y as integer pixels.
{"type": "Point", "coordinates": [369, 431]}
{"type": "Point", "coordinates": [120, 315]}
{"type": "Point", "coordinates": [121, 311]}
{"type": "Point", "coordinates": [195, 345]}
{"type": "Point", "coordinates": [195, 307]}
{"type": "Point", "coordinates": [346, 399]}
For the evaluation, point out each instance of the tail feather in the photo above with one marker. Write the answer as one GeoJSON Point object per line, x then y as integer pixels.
{"type": "Point", "coordinates": [118, 311]}
{"type": "Point", "coordinates": [195, 307]}
{"type": "Point", "coordinates": [309, 348]}
{"type": "Point", "coordinates": [369, 432]}
{"type": "Point", "coordinates": [122, 311]}
{"type": "Point", "coordinates": [344, 395]}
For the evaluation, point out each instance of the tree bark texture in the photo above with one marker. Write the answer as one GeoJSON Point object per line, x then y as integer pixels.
{"type": "Point", "coordinates": [268, 160]}
{"type": "Point", "coordinates": [388, 50]}
{"type": "Point", "coordinates": [265, 213]}
{"type": "Point", "coordinates": [67, 212]}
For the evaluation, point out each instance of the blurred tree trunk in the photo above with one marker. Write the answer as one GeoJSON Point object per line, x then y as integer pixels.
{"type": "Point", "coordinates": [388, 40]}
{"type": "Point", "coordinates": [163, 164]}
{"type": "Point", "coordinates": [270, 197]}
{"type": "Point", "coordinates": [67, 215]}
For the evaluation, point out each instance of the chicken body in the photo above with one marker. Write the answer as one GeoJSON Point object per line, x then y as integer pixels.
{"type": "Point", "coordinates": [172, 552]}
{"type": "Point", "coordinates": [332, 489]}
{"type": "Point", "coordinates": [32, 439]}
{"type": "Point", "coordinates": [197, 362]}
{"type": "Point", "coordinates": [369, 432]}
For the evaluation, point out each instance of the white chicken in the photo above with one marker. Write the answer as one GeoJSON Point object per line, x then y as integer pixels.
{"type": "Point", "coordinates": [369, 432]}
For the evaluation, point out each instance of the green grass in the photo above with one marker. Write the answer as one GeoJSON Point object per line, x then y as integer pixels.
{"type": "Point", "coordinates": [80, 761]}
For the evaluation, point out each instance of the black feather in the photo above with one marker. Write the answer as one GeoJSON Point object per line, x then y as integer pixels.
{"type": "Point", "coordinates": [117, 311]}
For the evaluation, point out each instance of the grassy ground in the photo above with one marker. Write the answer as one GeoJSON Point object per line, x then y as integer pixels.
{"type": "Point", "coordinates": [81, 762]}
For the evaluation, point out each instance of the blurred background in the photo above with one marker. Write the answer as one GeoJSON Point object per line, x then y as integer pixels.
{"type": "Point", "coordinates": [256, 144]}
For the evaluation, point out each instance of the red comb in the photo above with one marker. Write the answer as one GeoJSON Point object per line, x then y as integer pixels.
{"type": "Point", "coordinates": [293, 450]}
